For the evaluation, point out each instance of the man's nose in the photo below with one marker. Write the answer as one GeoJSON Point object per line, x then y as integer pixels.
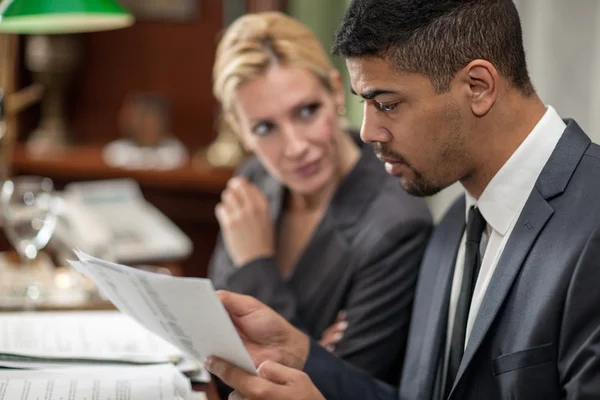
{"type": "Point", "coordinates": [371, 130]}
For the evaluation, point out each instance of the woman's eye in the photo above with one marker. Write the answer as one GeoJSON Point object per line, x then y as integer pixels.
{"type": "Point", "coordinates": [386, 107]}
{"type": "Point", "coordinates": [309, 110]}
{"type": "Point", "coordinates": [263, 128]}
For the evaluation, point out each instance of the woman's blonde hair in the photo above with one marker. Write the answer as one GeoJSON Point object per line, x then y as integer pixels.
{"type": "Point", "coordinates": [255, 42]}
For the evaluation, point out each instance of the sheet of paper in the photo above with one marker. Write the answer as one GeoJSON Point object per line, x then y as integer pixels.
{"type": "Point", "coordinates": [192, 369]}
{"type": "Point", "coordinates": [184, 311]}
{"type": "Point", "coordinates": [156, 382]}
{"type": "Point", "coordinates": [90, 335]}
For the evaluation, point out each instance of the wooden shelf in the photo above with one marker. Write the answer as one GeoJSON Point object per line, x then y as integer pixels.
{"type": "Point", "coordinates": [85, 163]}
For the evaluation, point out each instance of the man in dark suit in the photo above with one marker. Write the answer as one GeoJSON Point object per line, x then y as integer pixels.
{"type": "Point", "coordinates": [507, 305]}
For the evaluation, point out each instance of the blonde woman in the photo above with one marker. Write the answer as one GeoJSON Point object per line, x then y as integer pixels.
{"type": "Point", "coordinates": [312, 225]}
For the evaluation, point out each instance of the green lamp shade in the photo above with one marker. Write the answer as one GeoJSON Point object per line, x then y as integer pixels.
{"type": "Point", "coordinates": [61, 16]}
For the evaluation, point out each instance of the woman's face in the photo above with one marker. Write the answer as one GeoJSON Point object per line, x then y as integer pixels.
{"type": "Point", "coordinates": [290, 121]}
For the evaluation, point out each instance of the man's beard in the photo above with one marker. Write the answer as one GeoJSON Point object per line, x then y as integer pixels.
{"type": "Point", "coordinates": [419, 186]}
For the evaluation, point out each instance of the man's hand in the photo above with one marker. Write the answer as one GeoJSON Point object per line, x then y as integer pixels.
{"type": "Point", "coordinates": [274, 382]}
{"type": "Point", "coordinates": [243, 216]}
{"type": "Point", "coordinates": [266, 335]}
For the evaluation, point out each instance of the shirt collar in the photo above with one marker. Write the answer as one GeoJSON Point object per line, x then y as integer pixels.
{"type": "Point", "coordinates": [504, 197]}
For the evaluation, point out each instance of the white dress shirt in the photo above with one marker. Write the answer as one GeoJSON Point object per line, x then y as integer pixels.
{"type": "Point", "coordinates": [501, 204]}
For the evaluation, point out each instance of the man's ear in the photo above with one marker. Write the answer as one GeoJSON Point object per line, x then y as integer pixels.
{"type": "Point", "coordinates": [481, 80]}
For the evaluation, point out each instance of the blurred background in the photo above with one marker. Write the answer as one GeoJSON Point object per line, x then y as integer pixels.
{"type": "Point", "coordinates": [123, 121]}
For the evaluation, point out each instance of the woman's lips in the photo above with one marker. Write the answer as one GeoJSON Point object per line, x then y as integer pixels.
{"type": "Point", "coordinates": [309, 169]}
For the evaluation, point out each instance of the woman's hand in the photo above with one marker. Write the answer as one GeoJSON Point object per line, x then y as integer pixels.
{"type": "Point", "coordinates": [334, 333]}
{"type": "Point", "coordinates": [243, 215]}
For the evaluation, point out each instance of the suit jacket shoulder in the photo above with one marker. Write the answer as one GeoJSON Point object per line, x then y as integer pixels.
{"type": "Point", "coordinates": [538, 322]}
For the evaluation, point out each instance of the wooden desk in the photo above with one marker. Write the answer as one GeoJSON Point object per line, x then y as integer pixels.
{"type": "Point", "coordinates": [186, 195]}
{"type": "Point", "coordinates": [92, 302]}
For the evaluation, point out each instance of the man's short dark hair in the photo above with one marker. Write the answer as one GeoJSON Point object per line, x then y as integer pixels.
{"type": "Point", "coordinates": [436, 38]}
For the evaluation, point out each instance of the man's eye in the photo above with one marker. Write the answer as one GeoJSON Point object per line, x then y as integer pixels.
{"type": "Point", "coordinates": [386, 107]}
{"type": "Point", "coordinates": [263, 128]}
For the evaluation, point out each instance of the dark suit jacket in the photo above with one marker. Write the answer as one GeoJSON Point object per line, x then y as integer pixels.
{"type": "Point", "coordinates": [363, 258]}
{"type": "Point", "coordinates": [537, 333]}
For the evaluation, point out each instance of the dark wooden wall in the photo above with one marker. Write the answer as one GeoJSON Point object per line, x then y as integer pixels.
{"type": "Point", "coordinates": [171, 58]}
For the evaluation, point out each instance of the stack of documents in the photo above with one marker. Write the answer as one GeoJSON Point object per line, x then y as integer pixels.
{"type": "Point", "coordinates": [156, 382]}
{"type": "Point", "coordinates": [75, 354]}
{"type": "Point", "coordinates": [164, 325]}
{"type": "Point", "coordinates": [55, 339]}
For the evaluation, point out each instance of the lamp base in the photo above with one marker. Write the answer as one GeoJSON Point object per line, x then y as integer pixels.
{"type": "Point", "coordinates": [224, 152]}
{"type": "Point", "coordinates": [52, 59]}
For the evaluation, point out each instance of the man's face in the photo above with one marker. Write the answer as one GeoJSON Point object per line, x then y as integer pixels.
{"type": "Point", "coordinates": [419, 134]}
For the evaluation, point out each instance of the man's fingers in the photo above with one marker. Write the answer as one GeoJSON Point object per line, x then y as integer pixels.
{"type": "Point", "coordinates": [287, 382]}
{"type": "Point", "coordinates": [231, 375]}
{"type": "Point", "coordinates": [236, 396]}
{"type": "Point", "coordinates": [276, 372]}
{"type": "Point", "coordinates": [239, 305]}
{"type": "Point", "coordinates": [247, 385]}
{"type": "Point", "coordinates": [260, 353]}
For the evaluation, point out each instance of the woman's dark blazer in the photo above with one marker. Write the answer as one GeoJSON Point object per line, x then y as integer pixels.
{"type": "Point", "coordinates": [363, 258]}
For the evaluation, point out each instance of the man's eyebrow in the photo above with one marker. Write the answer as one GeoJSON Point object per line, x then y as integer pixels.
{"type": "Point", "coordinates": [372, 93]}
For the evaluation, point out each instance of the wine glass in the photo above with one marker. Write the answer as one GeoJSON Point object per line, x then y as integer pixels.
{"type": "Point", "coordinates": [29, 211]}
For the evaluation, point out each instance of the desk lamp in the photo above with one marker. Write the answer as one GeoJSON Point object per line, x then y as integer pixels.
{"type": "Point", "coordinates": [52, 56]}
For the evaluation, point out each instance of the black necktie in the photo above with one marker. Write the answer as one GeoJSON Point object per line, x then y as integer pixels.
{"type": "Point", "coordinates": [475, 226]}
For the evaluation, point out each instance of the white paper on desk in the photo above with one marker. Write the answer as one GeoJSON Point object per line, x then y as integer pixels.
{"type": "Point", "coordinates": [156, 382]}
{"type": "Point", "coordinates": [192, 369]}
{"type": "Point", "coordinates": [89, 335]}
{"type": "Point", "coordinates": [184, 311]}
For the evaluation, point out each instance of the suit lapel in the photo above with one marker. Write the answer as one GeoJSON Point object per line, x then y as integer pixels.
{"type": "Point", "coordinates": [434, 336]}
{"type": "Point", "coordinates": [275, 194]}
{"type": "Point", "coordinates": [428, 324]}
{"type": "Point", "coordinates": [531, 222]}
{"type": "Point", "coordinates": [537, 212]}
{"type": "Point", "coordinates": [352, 195]}
{"type": "Point", "coordinates": [319, 263]}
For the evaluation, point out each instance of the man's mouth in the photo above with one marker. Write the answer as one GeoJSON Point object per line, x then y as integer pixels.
{"type": "Point", "coordinates": [393, 166]}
